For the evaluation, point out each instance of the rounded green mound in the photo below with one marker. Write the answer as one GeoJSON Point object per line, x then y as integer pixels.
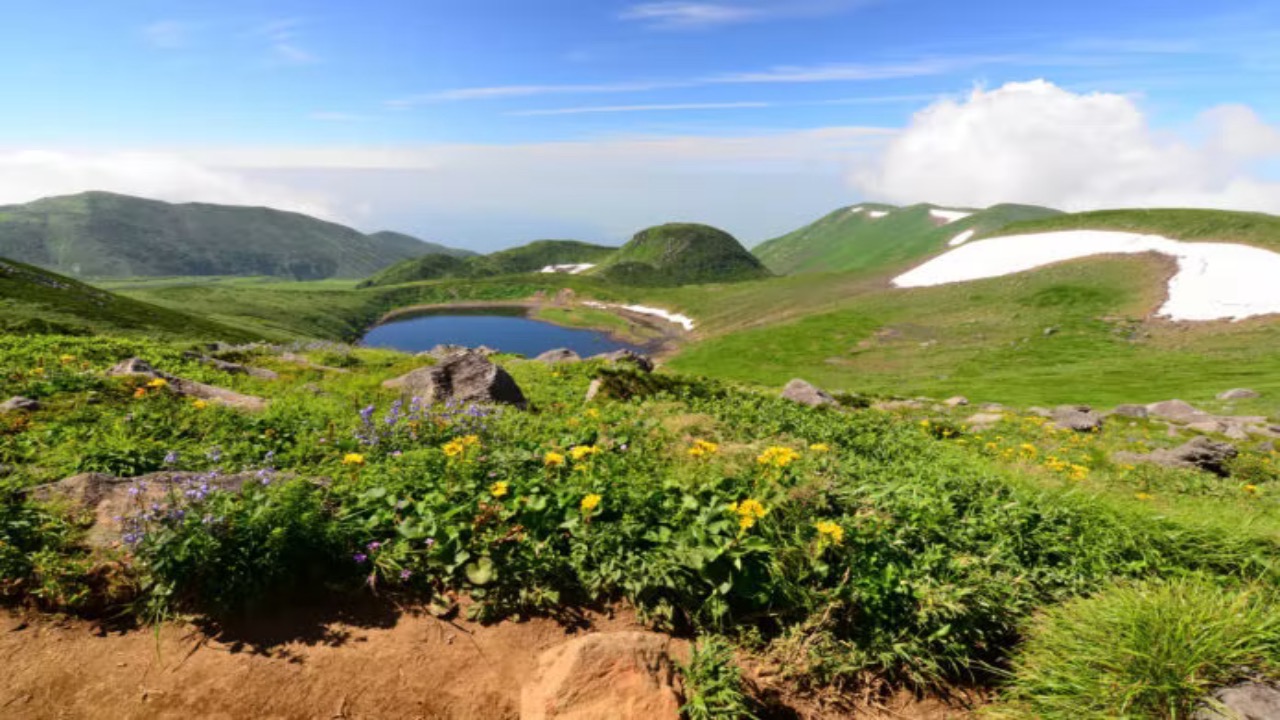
{"type": "Point", "coordinates": [682, 254]}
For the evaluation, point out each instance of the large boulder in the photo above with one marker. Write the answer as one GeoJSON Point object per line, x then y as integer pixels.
{"type": "Point", "coordinates": [559, 355]}
{"type": "Point", "coordinates": [137, 367]}
{"type": "Point", "coordinates": [1246, 701]}
{"type": "Point", "coordinates": [1239, 394]}
{"type": "Point", "coordinates": [1199, 453]}
{"type": "Point", "coordinates": [806, 394]}
{"type": "Point", "coordinates": [1080, 418]}
{"type": "Point", "coordinates": [642, 362]}
{"type": "Point", "coordinates": [18, 403]}
{"type": "Point", "coordinates": [465, 378]}
{"type": "Point", "coordinates": [1131, 411]}
{"type": "Point", "coordinates": [620, 676]}
{"type": "Point", "coordinates": [1177, 411]}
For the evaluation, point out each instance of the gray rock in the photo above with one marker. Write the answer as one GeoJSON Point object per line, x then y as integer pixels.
{"type": "Point", "coordinates": [1177, 411]}
{"type": "Point", "coordinates": [18, 403]}
{"type": "Point", "coordinates": [440, 352]}
{"type": "Point", "coordinates": [190, 388]}
{"type": "Point", "coordinates": [806, 394]}
{"type": "Point", "coordinates": [1199, 453]}
{"type": "Point", "coordinates": [1246, 701]}
{"type": "Point", "coordinates": [983, 420]}
{"type": "Point", "coordinates": [957, 401]}
{"type": "Point", "coordinates": [1050, 331]}
{"type": "Point", "coordinates": [1040, 412]}
{"type": "Point", "coordinates": [1131, 411]}
{"type": "Point", "coordinates": [893, 405]}
{"type": "Point", "coordinates": [594, 389]}
{"type": "Point", "coordinates": [1080, 418]}
{"type": "Point", "coordinates": [642, 362]}
{"type": "Point", "coordinates": [468, 377]}
{"type": "Point", "coordinates": [135, 366]}
{"type": "Point", "coordinates": [992, 407]}
{"type": "Point", "coordinates": [1238, 394]}
{"type": "Point", "coordinates": [559, 355]}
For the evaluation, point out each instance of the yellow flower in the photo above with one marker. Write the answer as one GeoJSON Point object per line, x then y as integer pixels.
{"type": "Point", "coordinates": [578, 452]}
{"type": "Point", "coordinates": [1144, 496]}
{"type": "Point", "coordinates": [353, 459]}
{"type": "Point", "coordinates": [140, 393]}
{"type": "Point", "coordinates": [1251, 489]}
{"type": "Point", "coordinates": [925, 423]}
{"type": "Point", "coordinates": [37, 371]}
{"type": "Point", "coordinates": [590, 502]}
{"type": "Point", "coordinates": [499, 489]}
{"type": "Point", "coordinates": [470, 440]}
{"type": "Point", "coordinates": [199, 404]}
{"type": "Point", "coordinates": [748, 512]}
{"type": "Point", "coordinates": [703, 448]}
{"type": "Point", "coordinates": [777, 456]}
{"type": "Point", "coordinates": [830, 530]}
{"type": "Point", "coordinates": [553, 459]}
{"type": "Point", "coordinates": [593, 413]}
{"type": "Point", "coordinates": [1028, 449]}
{"type": "Point", "coordinates": [67, 359]}
{"type": "Point", "coordinates": [820, 447]}
{"type": "Point", "coordinates": [158, 383]}
{"type": "Point", "coordinates": [453, 448]}
{"type": "Point", "coordinates": [1079, 472]}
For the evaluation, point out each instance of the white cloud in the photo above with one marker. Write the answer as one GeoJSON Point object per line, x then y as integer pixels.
{"type": "Point", "coordinates": [282, 38]}
{"type": "Point", "coordinates": [685, 14]}
{"type": "Point", "coordinates": [28, 175]}
{"type": "Point", "coordinates": [1037, 143]}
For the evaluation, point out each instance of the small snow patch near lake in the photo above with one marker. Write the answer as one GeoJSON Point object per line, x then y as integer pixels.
{"type": "Point", "coordinates": [948, 216]}
{"type": "Point", "coordinates": [877, 214]}
{"type": "Point", "coordinates": [962, 238]}
{"type": "Point", "coordinates": [683, 321]}
{"type": "Point", "coordinates": [568, 269]}
{"type": "Point", "coordinates": [1215, 281]}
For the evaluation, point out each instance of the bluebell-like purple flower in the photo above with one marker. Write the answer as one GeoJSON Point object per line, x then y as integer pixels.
{"type": "Point", "coordinates": [373, 546]}
{"type": "Point", "coordinates": [360, 557]}
{"type": "Point", "coordinates": [171, 458]}
{"type": "Point", "coordinates": [214, 454]}
{"type": "Point", "coordinates": [406, 574]}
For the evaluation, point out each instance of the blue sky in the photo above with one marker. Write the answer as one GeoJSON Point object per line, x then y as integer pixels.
{"type": "Point", "coordinates": [190, 77]}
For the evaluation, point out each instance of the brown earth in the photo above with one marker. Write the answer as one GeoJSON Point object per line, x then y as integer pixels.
{"type": "Point", "coordinates": [371, 662]}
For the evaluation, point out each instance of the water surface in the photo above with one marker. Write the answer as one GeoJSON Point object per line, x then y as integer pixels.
{"type": "Point", "coordinates": [503, 329]}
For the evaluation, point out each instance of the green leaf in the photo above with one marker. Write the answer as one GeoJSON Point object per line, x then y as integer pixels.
{"type": "Point", "coordinates": [481, 572]}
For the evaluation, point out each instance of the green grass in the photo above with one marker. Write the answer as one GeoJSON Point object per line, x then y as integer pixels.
{"type": "Point", "coordinates": [524, 259]}
{"type": "Point", "coordinates": [1180, 224]}
{"type": "Point", "coordinates": [680, 254]}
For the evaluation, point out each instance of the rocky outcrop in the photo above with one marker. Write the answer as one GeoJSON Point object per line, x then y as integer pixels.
{"type": "Point", "coordinates": [467, 378]}
{"type": "Point", "coordinates": [895, 405]}
{"type": "Point", "coordinates": [805, 393]}
{"type": "Point", "coordinates": [238, 369]}
{"type": "Point", "coordinates": [1177, 411]}
{"type": "Point", "coordinates": [1200, 453]}
{"type": "Point", "coordinates": [1131, 411]}
{"type": "Point", "coordinates": [983, 421]}
{"type": "Point", "coordinates": [955, 402]}
{"type": "Point", "coordinates": [1235, 427]}
{"type": "Point", "coordinates": [141, 368]}
{"type": "Point", "coordinates": [19, 403]}
{"type": "Point", "coordinates": [1239, 394]}
{"type": "Point", "coordinates": [642, 362]}
{"type": "Point", "coordinates": [1080, 418]}
{"type": "Point", "coordinates": [621, 676]}
{"type": "Point", "coordinates": [559, 355]}
{"type": "Point", "coordinates": [1246, 701]}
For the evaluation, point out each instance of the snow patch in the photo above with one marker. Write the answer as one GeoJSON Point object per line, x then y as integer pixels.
{"type": "Point", "coordinates": [856, 210]}
{"type": "Point", "coordinates": [877, 214]}
{"type": "Point", "coordinates": [963, 237]}
{"type": "Point", "coordinates": [572, 269]}
{"type": "Point", "coordinates": [948, 216]}
{"type": "Point", "coordinates": [683, 321]}
{"type": "Point", "coordinates": [1215, 281]}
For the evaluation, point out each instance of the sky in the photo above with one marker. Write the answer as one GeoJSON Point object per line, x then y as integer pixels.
{"type": "Point", "coordinates": [488, 123]}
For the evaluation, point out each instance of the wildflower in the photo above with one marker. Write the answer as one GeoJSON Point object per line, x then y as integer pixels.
{"type": "Point", "coordinates": [214, 454]}
{"type": "Point", "coordinates": [553, 459]}
{"type": "Point", "coordinates": [593, 413]}
{"type": "Point", "coordinates": [1251, 489]}
{"type": "Point", "coordinates": [158, 383]}
{"type": "Point", "coordinates": [578, 452]}
{"type": "Point", "coordinates": [360, 557]}
{"type": "Point", "coordinates": [820, 448]}
{"type": "Point", "coordinates": [65, 359]}
{"type": "Point", "coordinates": [373, 546]}
{"type": "Point", "coordinates": [353, 459]}
{"type": "Point", "coordinates": [748, 512]}
{"type": "Point", "coordinates": [454, 448]}
{"type": "Point", "coordinates": [830, 531]}
{"type": "Point", "coordinates": [171, 458]}
{"type": "Point", "coordinates": [405, 574]}
{"type": "Point", "coordinates": [925, 423]}
{"type": "Point", "coordinates": [140, 393]}
{"type": "Point", "coordinates": [590, 502]}
{"type": "Point", "coordinates": [1144, 496]}
{"type": "Point", "coordinates": [1079, 472]}
{"type": "Point", "coordinates": [499, 489]}
{"type": "Point", "coordinates": [777, 456]}
{"type": "Point", "coordinates": [703, 448]}
{"type": "Point", "coordinates": [199, 404]}
{"type": "Point", "coordinates": [37, 371]}
{"type": "Point", "coordinates": [1028, 449]}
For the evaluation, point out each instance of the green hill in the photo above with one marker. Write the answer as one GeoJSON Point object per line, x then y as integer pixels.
{"type": "Point", "coordinates": [681, 254]}
{"type": "Point", "coordinates": [397, 239]}
{"type": "Point", "coordinates": [98, 234]}
{"type": "Point", "coordinates": [854, 238]}
{"type": "Point", "coordinates": [524, 259]}
{"type": "Point", "coordinates": [37, 301]}
{"type": "Point", "coordinates": [1179, 224]}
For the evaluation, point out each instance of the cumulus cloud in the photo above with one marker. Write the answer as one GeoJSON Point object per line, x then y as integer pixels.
{"type": "Point", "coordinates": [28, 175]}
{"type": "Point", "coordinates": [1037, 143]}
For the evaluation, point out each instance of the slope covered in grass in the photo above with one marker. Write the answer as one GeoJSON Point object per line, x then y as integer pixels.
{"type": "Point", "coordinates": [98, 234]}
{"type": "Point", "coordinates": [681, 254]}
{"type": "Point", "coordinates": [870, 237]}
{"type": "Point", "coordinates": [523, 259]}
{"type": "Point", "coordinates": [1177, 224]}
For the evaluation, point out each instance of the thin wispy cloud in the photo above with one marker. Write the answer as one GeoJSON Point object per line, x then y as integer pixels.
{"type": "Point", "coordinates": [283, 40]}
{"type": "Point", "coordinates": [641, 108]}
{"type": "Point", "coordinates": [167, 34]}
{"type": "Point", "coordinates": [680, 14]}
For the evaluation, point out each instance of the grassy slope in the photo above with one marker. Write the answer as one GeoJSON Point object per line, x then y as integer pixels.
{"type": "Point", "coordinates": [524, 259]}
{"type": "Point", "coordinates": [106, 235]}
{"type": "Point", "coordinates": [680, 254]}
{"type": "Point", "coordinates": [36, 300]}
{"type": "Point", "coordinates": [1180, 224]}
{"type": "Point", "coordinates": [854, 241]}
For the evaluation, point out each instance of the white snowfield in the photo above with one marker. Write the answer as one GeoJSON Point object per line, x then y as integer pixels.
{"type": "Point", "coordinates": [877, 214]}
{"type": "Point", "coordinates": [1215, 281]}
{"type": "Point", "coordinates": [962, 238]}
{"type": "Point", "coordinates": [568, 269]}
{"type": "Point", "coordinates": [948, 216]}
{"type": "Point", "coordinates": [683, 321]}
{"type": "Point", "coordinates": [856, 210]}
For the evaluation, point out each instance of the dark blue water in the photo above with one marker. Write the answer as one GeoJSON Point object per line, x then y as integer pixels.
{"type": "Point", "coordinates": [504, 330]}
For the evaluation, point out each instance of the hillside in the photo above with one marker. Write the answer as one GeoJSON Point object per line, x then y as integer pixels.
{"type": "Point", "coordinates": [1176, 223]}
{"type": "Point", "coordinates": [681, 254]}
{"type": "Point", "coordinates": [870, 236]}
{"type": "Point", "coordinates": [531, 257]}
{"type": "Point", "coordinates": [401, 240]}
{"type": "Point", "coordinates": [36, 301]}
{"type": "Point", "coordinates": [98, 234]}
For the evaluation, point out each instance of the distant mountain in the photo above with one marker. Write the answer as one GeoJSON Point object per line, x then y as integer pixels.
{"type": "Point", "coordinates": [413, 244]}
{"type": "Point", "coordinates": [98, 234]}
{"type": "Point", "coordinates": [35, 301]}
{"type": "Point", "coordinates": [681, 254]}
{"type": "Point", "coordinates": [871, 236]}
{"type": "Point", "coordinates": [526, 258]}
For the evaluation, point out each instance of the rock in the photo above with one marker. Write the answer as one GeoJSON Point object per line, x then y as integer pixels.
{"type": "Point", "coordinates": [642, 362]}
{"type": "Point", "coordinates": [1050, 331]}
{"type": "Point", "coordinates": [238, 369]}
{"type": "Point", "coordinates": [1267, 447]}
{"type": "Point", "coordinates": [1040, 412]}
{"type": "Point", "coordinates": [1239, 394]}
{"type": "Point", "coordinates": [1199, 453]}
{"type": "Point", "coordinates": [992, 407]}
{"type": "Point", "coordinates": [957, 401]}
{"type": "Point", "coordinates": [559, 355]}
{"type": "Point", "coordinates": [594, 389]}
{"type": "Point", "coordinates": [440, 352]}
{"type": "Point", "coordinates": [1177, 411]}
{"type": "Point", "coordinates": [620, 676]}
{"type": "Point", "coordinates": [189, 388]}
{"type": "Point", "coordinates": [1246, 701]}
{"type": "Point", "coordinates": [893, 405]}
{"type": "Point", "coordinates": [1207, 426]}
{"type": "Point", "coordinates": [468, 377]}
{"type": "Point", "coordinates": [1132, 411]}
{"type": "Point", "coordinates": [1080, 418]}
{"type": "Point", "coordinates": [983, 420]}
{"type": "Point", "coordinates": [806, 394]}
{"type": "Point", "coordinates": [19, 403]}
{"type": "Point", "coordinates": [110, 499]}
{"type": "Point", "coordinates": [485, 350]}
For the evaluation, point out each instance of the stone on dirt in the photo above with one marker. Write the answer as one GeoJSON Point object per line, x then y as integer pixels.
{"type": "Point", "coordinates": [1131, 411]}
{"type": "Point", "coordinates": [468, 377]}
{"type": "Point", "coordinates": [559, 355]}
{"type": "Point", "coordinates": [1246, 701]}
{"type": "Point", "coordinates": [806, 394]}
{"type": "Point", "coordinates": [957, 401]}
{"type": "Point", "coordinates": [1199, 453]}
{"type": "Point", "coordinates": [18, 403]}
{"type": "Point", "coordinates": [621, 676]}
{"type": "Point", "coordinates": [190, 388]}
{"type": "Point", "coordinates": [642, 362]}
{"type": "Point", "coordinates": [1239, 394]}
{"type": "Point", "coordinates": [1080, 418]}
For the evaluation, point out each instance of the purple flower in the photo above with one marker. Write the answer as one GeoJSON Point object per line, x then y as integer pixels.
{"type": "Point", "coordinates": [367, 414]}
{"type": "Point", "coordinates": [373, 546]}
{"type": "Point", "coordinates": [431, 542]}
{"type": "Point", "coordinates": [360, 557]}
{"type": "Point", "coordinates": [171, 458]}
{"type": "Point", "coordinates": [214, 454]}
{"type": "Point", "coordinates": [406, 574]}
